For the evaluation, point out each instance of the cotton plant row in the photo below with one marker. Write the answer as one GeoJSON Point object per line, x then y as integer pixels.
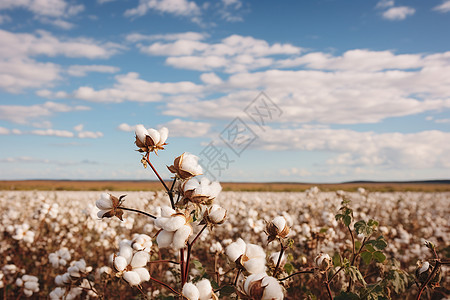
{"type": "Point", "coordinates": [194, 242]}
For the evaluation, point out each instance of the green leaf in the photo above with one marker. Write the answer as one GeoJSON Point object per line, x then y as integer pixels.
{"type": "Point", "coordinates": [369, 248]}
{"type": "Point", "coordinates": [379, 256]}
{"type": "Point", "coordinates": [360, 227]}
{"type": "Point", "coordinates": [366, 257]}
{"type": "Point", "coordinates": [337, 259]}
{"type": "Point", "coordinates": [346, 296]}
{"type": "Point", "coordinates": [227, 290]}
{"type": "Point", "coordinates": [372, 223]}
{"type": "Point", "coordinates": [197, 264]}
{"type": "Point", "coordinates": [355, 274]}
{"type": "Point", "coordinates": [357, 245]}
{"type": "Point", "coordinates": [288, 268]}
{"type": "Point", "coordinates": [347, 220]}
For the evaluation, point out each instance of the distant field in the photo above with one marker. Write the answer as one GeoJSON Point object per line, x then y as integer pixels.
{"type": "Point", "coordinates": [69, 185]}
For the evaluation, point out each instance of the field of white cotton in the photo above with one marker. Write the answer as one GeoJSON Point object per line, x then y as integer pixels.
{"type": "Point", "coordinates": [53, 244]}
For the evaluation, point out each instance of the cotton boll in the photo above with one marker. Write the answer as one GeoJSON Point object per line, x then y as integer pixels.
{"type": "Point", "coordinates": [143, 273]}
{"type": "Point", "coordinates": [279, 222]}
{"type": "Point", "coordinates": [236, 249]}
{"type": "Point", "coordinates": [132, 278]}
{"type": "Point", "coordinates": [141, 132]}
{"type": "Point", "coordinates": [272, 290]}
{"type": "Point", "coordinates": [174, 223]}
{"type": "Point", "coordinates": [164, 238]}
{"type": "Point", "coordinates": [163, 134]}
{"type": "Point", "coordinates": [190, 291]}
{"type": "Point", "coordinates": [255, 265]}
{"type": "Point", "coordinates": [181, 236]}
{"type": "Point", "coordinates": [154, 135]}
{"type": "Point", "coordinates": [204, 289]}
{"type": "Point", "coordinates": [167, 211]}
{"type": "Point", "coordinates": [126, 251]}
{"type": "Point", "coordinates": [120, 263]}
{"type": "Point", "coordinates": [140, 259]}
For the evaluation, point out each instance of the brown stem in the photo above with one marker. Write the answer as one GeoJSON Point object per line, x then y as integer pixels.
{"type": "Point", "coordinates": [164, 261]}
{"type": "Point", "coordinates": [138, 211]}
{"type": "Point", "coordinates": [296, 273]}
{"type": "Point", "coordinates": [166, 285]}
{"type": "Point", "coordinates": [170, 192]}
{"type": "Point", "coordinates": [279, 258]}
{"type": "Point", "coordinates": [327, 284]}
{"type": "Point", "coordinates": [332, 277]}
{"type": "Point", "coordinates": [431, 276]}
{"type": "Point", "coordinates": [237, 276]}
{"type": "Point", "coordinates": [183, 280]}
{"type": "Point", "coordinates": [156, 172]}
{"type": "Point", "coordinates": [189, 249]}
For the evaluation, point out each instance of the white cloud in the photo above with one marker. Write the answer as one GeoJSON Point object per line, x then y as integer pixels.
{"type": "Point", "coordinates": [189, 36]}
{"type": "Point", "coordinates": [125, 127]}
{"type": "Point", "coordinates": [52, 132]}
{"type": "Point", "coordinates": [174, 7]}
{"type": "Point", "coordinates": [295, 172]}
{"type": "Point", "coordinates": [18, 69]}
{"type": "Point", "coordinates": [442, 121]}
{"type": "Point", "coordinates": [48, 8]}
{"type": "Point", "coordinates": [385, 3]}
{"type": "Point", "coordinates": [230, 10]}
{"type": "Point", "coordinates": [82, 70]}
{"type": "Point", "coordinates": [398, 13]}
{"type": "Point", "coordinates": [22, 114]}
{"type": "Point", "coordinates": [233, 54]}
{"type": "Point", "coordinates": [79, 127]}
{"type": "Point", "coordinates": [4, 131]}
{"type": "Point", "coordinates": [90, 134]}
{"type": "Point", "coordinates": [130, 87]}
{"type": "Point", "coordinates": [190, 129]}
{"type": "Point", "coordinates": [444, 7]}
{"type": "Point", "coordinates": [426, 149]}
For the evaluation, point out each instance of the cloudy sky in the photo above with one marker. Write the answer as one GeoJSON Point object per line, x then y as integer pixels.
{"type": "Point", "coordinates": [354, 91]}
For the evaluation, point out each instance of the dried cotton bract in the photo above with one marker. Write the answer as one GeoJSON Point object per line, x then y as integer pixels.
{"type": "Point", "coordinates": [186, 166]}
{"type": "Point", "coordinates": [109, 206]}
{"type": "Point", "coordinates": [149, 140]}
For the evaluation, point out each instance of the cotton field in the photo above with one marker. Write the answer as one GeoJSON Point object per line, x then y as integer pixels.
{"type": "Point", "coordinates": [55, 244]}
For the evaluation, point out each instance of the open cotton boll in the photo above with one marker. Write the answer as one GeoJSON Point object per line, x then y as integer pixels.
{"type": "Point", "coordinates": [140, 259]}
{"type": "Point", "coordinates": [132, 278]}
{"type": "Point", "coordinates": [142, 242]}
{"type": "Point", "coordinates": [141, 132]}
{"type": "Point", "coordinates": [154, 135]}
{"type": "Point", "coordinates": [190, 164]}
{"type": "Point", "coordinates": [167, 211]}
{"type": "Point", "coordinates": [279, 222]}
{"type": "Point", "coordinates": [126, 251]}
{"type": "Point", "coordinates": [143, 273]}
{"type": "Point", "coordinates": [181, 236]}
{"type": "Point", "coordinates": [174, 223]}
{"type": "Point", "coordinates": [164, 238]}
{"type": "Point", "coordinates": [120, 263]}
{"type": "Point", "coordinates": [272, 290]}
{"type": "Point", "coordinates": [163, 134]}
{"type": "Point", "coordinates": [255, 265]}
{"type": "Point", "coordinates": [190, 291]}
{"type": "Point", "coordinates": [205, 289]}
{"type": "Point", "coordinates": [105, 202]}
{"type": "Point", "coordinates": [236, 249]}
{"type": "Point", "coordinates": [250, 279]}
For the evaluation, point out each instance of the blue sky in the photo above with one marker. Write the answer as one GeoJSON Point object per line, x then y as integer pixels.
{"type": "Point", "coordinates": [356, 91]}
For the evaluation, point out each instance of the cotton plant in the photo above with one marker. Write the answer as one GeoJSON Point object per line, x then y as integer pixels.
{"type": "Point", "coordinates": [29, 284]}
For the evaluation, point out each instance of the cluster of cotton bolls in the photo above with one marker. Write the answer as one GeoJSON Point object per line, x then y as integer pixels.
{"type": "Point", "coordinates": [406, 220]}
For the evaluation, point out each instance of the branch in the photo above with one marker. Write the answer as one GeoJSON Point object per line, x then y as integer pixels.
{"type": "Point", "coordinates": [156, 172]}
{"type": "Point", "coordinates": [296, 273]}
{"type": "Point", "coordinates": [138, 211]}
